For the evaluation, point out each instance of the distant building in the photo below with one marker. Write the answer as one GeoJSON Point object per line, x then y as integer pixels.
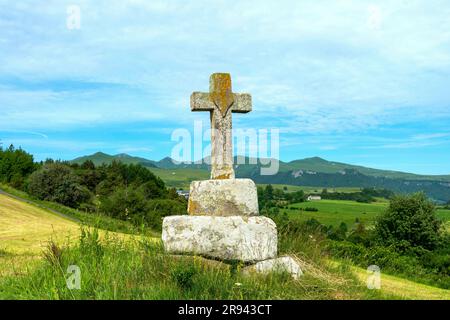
{"type": "Point", "coordinates": [314, 198]}
{"type": "Point", "coordinates": [183, 193]}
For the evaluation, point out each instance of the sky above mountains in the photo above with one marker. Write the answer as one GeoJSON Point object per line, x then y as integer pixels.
{"type": "Point", "coordinates": [362, 82]}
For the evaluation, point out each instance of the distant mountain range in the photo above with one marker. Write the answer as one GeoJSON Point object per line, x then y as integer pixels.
{"type": "Point", "coordinates": [314, 172]}
{"type": "Point", "coordinates": [100, 158]}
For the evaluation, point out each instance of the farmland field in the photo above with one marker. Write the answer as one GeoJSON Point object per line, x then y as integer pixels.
{"type": "Point", "coordinates": [291, 188]}
{"type": "Point", "coordinates": [333, 212]}
{"type": "Point", "coordinates": [444, 214]}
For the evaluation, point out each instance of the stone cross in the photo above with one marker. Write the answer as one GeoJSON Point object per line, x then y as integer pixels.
{"type": "Point", "coordinates": [221, 102]}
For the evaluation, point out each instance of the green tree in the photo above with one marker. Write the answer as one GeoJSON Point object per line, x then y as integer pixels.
{"type": "Point", "coordinates": [123, 203]}
{"type": "Point", "coordinates": [15, 166]}
{"type": "Point", "coordinates": [296, 197]}
{"type": "Point", "coordinates": [268, 193]}
{"type": "Point", "coordinates": [152, 190]}
{"type": "Point", "coordinates": [409, 221]}
{"type": "Point", "coordinates": [157, 209]}
{"type": "Point", "coordinates": [57, 182]}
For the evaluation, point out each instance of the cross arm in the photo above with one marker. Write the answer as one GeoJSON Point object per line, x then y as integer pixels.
{"type": "Point", "coordinates": [242, 103]}
{"type": "Point", "coordinates": [200, 102]}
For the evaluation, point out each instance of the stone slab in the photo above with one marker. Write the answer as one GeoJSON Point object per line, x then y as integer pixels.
{"type": "Point", "coordinates": [247, 239]}
{"type": "Point", "coordinates": [281, 264]}
{"type": "Point", "coordinates": [228, 197]}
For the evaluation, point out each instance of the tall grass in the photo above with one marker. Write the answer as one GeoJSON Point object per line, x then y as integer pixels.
{"type": "Point", "coordinates": [140, 269]}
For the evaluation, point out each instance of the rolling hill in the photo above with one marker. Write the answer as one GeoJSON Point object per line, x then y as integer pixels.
{"type": "Point", "coordinates": [314, 172]}
{"type": "Point", "coordinates": [100, 158]}
{"type": "Point", "coordinates": [25, 228]}
{"type": "Point", "coordinates": [321, 165]}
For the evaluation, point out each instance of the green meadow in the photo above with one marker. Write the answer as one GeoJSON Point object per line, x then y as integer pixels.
{"type": "Point", "coordinates": [119, 266]}
{"type": "Point", "coordinates": [333, 212]}
{"type": "Point", "coordinates": [180, 178]}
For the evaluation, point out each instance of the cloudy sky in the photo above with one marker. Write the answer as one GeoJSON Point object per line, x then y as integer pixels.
{"type": "Point", "coordinates": [363, 82]}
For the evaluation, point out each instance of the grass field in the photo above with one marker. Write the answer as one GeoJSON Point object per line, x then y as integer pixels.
{"type": "Point", "coordinates": [180, 178]}
{"type": "Point", "coordinates": [444, 214]}
{"type": "Point", "coordinates": [333, 212]}
{"type": "Point", "coordinates": [136, 268]}
{"type": "Point", "coordinates": [96, 220]}
{"type": "Point", "coordinates": [124, 267]}
{"type": "Point", "coordinates": [402, 288]}
{"type": "Point", "coordinates": [25, 227]}
{"type": "Point", "coordinates": [25, 231]}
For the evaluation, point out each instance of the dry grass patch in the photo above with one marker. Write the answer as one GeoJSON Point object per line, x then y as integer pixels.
{"type": "Point", "coordinates": [26, 228]}
{"type": "Point", "coordinates": [405, 289]}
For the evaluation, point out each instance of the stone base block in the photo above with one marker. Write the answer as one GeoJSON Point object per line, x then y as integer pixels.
{"type": "Point", "coordinates": [282, 264]}
{"type": "Point", "coordinates": [229, 197]}
{"type": "Point", "coordinates": [248, 239]}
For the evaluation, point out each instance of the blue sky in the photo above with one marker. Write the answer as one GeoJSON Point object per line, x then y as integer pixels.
{"type": "Point", "coordinates": [363, 82]}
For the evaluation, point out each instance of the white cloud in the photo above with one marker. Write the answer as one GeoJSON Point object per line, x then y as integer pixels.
{"type": "Point", "coordinates": [412, 142]}
{"type": "Point", "coordinates": [313, 67]}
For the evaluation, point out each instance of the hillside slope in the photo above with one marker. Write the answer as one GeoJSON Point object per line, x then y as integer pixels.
{"type": "Point", "coordinates": [24, 227]}
{"type": "Point", "coordinates": [100, 158]}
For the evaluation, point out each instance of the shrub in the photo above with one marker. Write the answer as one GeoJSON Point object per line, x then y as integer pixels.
{"type": "Point", "coordinates": [157, 209]}
{"type": "Point", "coordinates": [123, 204]}
{"type": "Point", "coordinates": [57, 182]}
{"type": "Point", "coordinates": [152, 190]}
{"type": "Point", "coordinates": [339, 233]}
{"type": "Point", "coordinates": [411, 221]}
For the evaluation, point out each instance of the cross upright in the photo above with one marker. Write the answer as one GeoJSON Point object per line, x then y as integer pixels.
{"type": "Point", "coordinates": [221, 102]}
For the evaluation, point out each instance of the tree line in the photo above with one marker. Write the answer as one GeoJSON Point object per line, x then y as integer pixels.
{"type": "Point", "coordinates": [366, 195]}
{"type": "Point", "coordinates": [123, 191]}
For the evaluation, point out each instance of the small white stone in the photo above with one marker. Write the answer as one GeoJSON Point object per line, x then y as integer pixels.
{"type": "Point", "coordinates": [282, 264]}
{"type": "Point", "coordinates": [228, 197]}
{"type": "Point", "coordinates": [248, 239]}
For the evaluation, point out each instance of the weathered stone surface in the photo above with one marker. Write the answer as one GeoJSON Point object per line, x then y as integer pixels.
{"type": "Point", "coordinates": [221, 102]}
{"type": "Point", "coordinates": [230, 197]}
{"type": "Point", "coordinates": [282, 264]}
{"type": "Point", "coordinates": [248, 239]}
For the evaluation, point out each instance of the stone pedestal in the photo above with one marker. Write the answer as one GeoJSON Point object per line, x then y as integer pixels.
{"type": "Point", "coordinates": [283, 264]}
{"type": "Point", "coordinates": [229, 197]}
{"type": "Point", "coordinates": [248, 239]}
{"type": "Point", "coordinates": [224, 224]}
